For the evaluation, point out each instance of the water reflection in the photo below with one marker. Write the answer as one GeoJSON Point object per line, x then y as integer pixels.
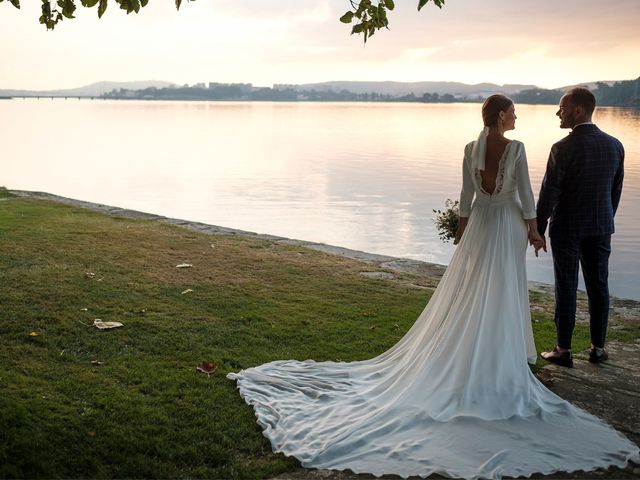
{"type": "Point", "coordinates": [364, 176]}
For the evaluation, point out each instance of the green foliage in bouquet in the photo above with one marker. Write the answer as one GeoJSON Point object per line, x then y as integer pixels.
{"type": "Point", "coordinates": [447, 220]}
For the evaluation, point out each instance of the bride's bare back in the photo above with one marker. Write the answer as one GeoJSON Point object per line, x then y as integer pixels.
{"type": "Point", "coordinates": [496, 146]}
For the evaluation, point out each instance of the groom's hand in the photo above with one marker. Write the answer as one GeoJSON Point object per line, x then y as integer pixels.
{"type": "Point", "coordinates": [540, 244]}
{"type": "Point", "coordinates": [537, 240]}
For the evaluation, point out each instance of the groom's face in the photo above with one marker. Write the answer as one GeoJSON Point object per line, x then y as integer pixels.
{"type": "Point", "coordinates": [567, 113]}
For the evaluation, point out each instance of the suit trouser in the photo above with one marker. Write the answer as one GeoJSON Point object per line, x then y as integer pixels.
{"type": "Point", "coordinates": [592, 253]}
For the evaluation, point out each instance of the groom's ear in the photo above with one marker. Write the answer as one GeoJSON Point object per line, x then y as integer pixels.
{"type": "Point", "coordinates": [579, 111]}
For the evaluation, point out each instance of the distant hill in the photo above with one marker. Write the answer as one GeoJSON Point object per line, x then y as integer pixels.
{"type": "Point", "coordinates": [590, 85]}
{"type": "Point", "coordinates": [329, 91]}
{"type": "Point", "coordinates": [417, 88]}
{"type": "Point", "coordinates": [93, 90]}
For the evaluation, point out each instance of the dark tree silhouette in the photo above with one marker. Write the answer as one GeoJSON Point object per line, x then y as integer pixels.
{"type": "Point", "coordinates": [367, 16]}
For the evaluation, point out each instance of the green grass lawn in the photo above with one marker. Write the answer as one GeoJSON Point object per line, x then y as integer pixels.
{"type": "Point", "coordinates": [77, 402]}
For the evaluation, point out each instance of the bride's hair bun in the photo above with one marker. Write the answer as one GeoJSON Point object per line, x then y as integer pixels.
{"type": "Point", "coordinates": [492, 107]}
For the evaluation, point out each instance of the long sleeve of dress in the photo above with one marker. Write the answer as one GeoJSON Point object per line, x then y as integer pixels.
{"type": "Point", "coordinates": [524, 185]}
{"type": "Point", "coordinates": [468, 190]}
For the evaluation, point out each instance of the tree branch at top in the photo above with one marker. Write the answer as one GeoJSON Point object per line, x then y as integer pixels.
{"type": "Point", "coordinates": [367, 16]}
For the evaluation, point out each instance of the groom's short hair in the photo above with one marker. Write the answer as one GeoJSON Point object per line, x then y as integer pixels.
{"type": "Point", "coordinates": [580, 96]}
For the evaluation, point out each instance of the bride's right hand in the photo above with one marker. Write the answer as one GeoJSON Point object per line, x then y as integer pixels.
{"type": "Point", "coordinates": [462, 224]}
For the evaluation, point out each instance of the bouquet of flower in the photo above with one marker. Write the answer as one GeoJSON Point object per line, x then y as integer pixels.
{"type": "Point", "coordinates": [447, 220]}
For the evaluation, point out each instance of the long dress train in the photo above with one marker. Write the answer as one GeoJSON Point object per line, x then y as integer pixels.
{"type": "Point", "coordinates": [455, 395]}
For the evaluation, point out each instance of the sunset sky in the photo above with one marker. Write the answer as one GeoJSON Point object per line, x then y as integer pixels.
{"type": "Point", "coordinates": [549, 43]}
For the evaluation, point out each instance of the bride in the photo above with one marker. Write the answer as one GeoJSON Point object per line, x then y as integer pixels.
{"type": "Point", "coordinates": [455, 395]}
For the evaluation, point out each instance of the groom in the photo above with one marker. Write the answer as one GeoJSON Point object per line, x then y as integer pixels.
{"type": "Point", "coordinates": [580, 194]}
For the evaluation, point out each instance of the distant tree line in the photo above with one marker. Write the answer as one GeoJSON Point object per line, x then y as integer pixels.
{"type": "Point", "coordinates": [538, 96]}
{"type": "Point", "coordinates": [246, 92]}
{"type": "Point", "coordinates": [624, 93]}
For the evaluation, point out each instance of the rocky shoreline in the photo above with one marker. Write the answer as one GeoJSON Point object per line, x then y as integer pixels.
{"type": "Point", "coordinates": [622, 310]}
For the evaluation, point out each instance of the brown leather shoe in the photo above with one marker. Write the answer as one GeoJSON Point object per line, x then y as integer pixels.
{"type": "Point", "coordinates": [564, 359]}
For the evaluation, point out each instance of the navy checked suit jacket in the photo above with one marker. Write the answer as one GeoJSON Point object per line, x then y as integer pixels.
{"type": "Point", "coordinates": [582, 185]}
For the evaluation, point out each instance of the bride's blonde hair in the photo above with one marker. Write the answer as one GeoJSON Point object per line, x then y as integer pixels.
{"type": "Point", "coordinates": [492, 107]}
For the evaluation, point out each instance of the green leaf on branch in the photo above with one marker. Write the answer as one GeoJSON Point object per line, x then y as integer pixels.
{"type": "Point", "coordinates": [15, 3]}
{"type": "Point", "coordinates": [382, 16]}
{"type": "Point", "coordinates": [62, 9]}
{"type": "Point", "coordinates": [370, 16]}
{"type": "Point", "coordinates": [438, 3]}
{"type": "Point", "coordinates": [47, 18]}
{"type": "Point", "coordinates": [347, 17]}
{"type": "Point", "coordinates": [68, 7]}
{"type": "Point", "coordinates": [129, 5]}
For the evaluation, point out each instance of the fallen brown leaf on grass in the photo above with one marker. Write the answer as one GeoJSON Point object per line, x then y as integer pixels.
{"type": "Point", "coordinates": [207, 367]}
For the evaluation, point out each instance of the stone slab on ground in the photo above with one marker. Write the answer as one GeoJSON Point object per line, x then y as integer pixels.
{"type": "Point", "coordinates": [610, 390]}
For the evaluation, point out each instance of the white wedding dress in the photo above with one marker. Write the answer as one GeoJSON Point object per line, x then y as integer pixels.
{"type": "Point", "coordinates": [455, 395]}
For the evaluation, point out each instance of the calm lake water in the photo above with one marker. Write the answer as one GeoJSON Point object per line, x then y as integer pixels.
{"type": "Point", "coordinates": [362, 176]}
